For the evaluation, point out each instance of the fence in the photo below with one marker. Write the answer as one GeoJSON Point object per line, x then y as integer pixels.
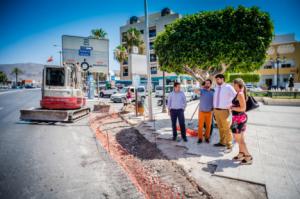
{"type": "Point", "coordinates": [276, 94]}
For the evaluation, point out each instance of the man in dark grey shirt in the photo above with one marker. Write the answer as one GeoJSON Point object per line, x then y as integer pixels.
{"type": "Point", "coordinates": [205, 110]}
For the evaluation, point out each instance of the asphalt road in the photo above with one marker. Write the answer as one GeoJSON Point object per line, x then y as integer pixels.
{"type": "Point", "coordinates": [53, 161]}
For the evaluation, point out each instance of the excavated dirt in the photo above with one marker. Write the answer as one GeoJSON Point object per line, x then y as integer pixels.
{"type": "Point", "coordinates": [152, 173]}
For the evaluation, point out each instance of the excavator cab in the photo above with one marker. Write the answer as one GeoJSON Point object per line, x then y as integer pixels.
{"type": "Point", "coordinates": [62, 88]}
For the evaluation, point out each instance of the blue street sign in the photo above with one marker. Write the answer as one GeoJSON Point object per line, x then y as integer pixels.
{"type": "Point", "coordinates": [84, 52]}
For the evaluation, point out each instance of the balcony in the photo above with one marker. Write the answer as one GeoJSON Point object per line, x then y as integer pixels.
{"type": "Point", "coordinates": [273, 71]}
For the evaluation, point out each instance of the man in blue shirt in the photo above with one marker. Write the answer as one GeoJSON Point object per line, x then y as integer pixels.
{"type": "Point", "coordinates": [176, 106]}
{"type": "Point", "coordinates": [205, 110]}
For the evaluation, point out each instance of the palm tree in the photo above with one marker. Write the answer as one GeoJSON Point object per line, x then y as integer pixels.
{"type": "Point", "coordinates": [16, 71]}
{"type": "Point", "coordinates": [120, 54]}
{"type": "Point", "coordinates": [133, 38]}
{"type": "Point", "coordinates": [98, 33]}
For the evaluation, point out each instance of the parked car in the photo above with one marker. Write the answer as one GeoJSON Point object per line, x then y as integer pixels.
{"type": "Point", "coordinates": [188, 91]}
{"type": "Point", "coordinates": [195, 96]}
{"type": "Point", "coordinates": [159, 90]}
{"type": "Point", "coordinates": [121, 96]}
{"type": "Point", "coordinates": [107, 92]}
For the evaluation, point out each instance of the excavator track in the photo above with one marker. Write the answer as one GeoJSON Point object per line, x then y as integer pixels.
{"type": "Point", "coordinates": [46, 115]}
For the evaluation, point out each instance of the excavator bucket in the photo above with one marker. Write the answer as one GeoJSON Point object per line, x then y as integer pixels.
{"type": "Point", "coordinates": [45, 115]}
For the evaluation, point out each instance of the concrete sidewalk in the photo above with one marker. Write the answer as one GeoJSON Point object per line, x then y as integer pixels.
{"type": "Point", "coordinates": [273, 138]}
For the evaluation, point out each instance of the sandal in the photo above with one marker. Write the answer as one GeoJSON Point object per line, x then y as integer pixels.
{"type": "Point", "coordinates": [239, 157]}
{"type": "Point", "coordinates": [248, 159]}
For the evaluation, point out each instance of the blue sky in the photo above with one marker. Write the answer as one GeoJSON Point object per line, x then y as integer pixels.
{"type": "Point", "coordinates": [29, 28]}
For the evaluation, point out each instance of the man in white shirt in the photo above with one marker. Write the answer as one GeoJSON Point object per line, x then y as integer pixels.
{"type": "Point", "coordinates": [223, 96]}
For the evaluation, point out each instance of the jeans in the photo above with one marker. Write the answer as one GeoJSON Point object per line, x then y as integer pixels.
{"type": "Point", "coordinates": [178, 113]}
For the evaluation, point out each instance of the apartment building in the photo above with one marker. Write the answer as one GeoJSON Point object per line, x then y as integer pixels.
{"type": "Point", "coordinates": [157, 23]}
{"type": "Point", "coordinates": [283, 60]}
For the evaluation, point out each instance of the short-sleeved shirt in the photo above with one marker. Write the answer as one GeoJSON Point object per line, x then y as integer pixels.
{"type": "Point", "coordinates": [206, 100]}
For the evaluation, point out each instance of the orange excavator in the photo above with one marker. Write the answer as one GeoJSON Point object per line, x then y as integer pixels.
{"type": "Point", "coordinates": [63, 96]}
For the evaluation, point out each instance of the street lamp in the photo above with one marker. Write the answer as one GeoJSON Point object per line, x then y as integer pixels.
{"type": "Point", "coordinates": [278, 60]}
{"type": "Point", "coordinates": [149, 83]}
{"type": "Point", "coordinates": [164, 94]}
{"type": "Point", "coordinates": [60, 53]}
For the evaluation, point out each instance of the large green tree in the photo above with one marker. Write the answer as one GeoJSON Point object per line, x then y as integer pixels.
{"type": "Point", "coordinates": [98, 33]}
{"type": "Point", "coordinates": [16, 71]}
{"type": "Point", "coordinates": [211, 42]}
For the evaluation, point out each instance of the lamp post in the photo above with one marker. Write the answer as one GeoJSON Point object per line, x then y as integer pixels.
{"type": "Point", "coordinates": [60, 53]}
{"type": "Point", "coordinates": [164, 94]}
{"type": "Point", "coordinates": [278, 60]}
{"type": "Point", "coordinates": [149, 83]}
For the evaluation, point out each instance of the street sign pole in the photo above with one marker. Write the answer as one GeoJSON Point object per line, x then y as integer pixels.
{"type": "Point", "coordinates": [149, 83]}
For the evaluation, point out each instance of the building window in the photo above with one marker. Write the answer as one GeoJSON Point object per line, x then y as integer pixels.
{"type": "Point", "coordinates": [152, 32]}
{"type": "Point", "coordinates": [153, 70]}
{"type": "Point", "coordinates": [269, 66]}
{"type": "Point", "coordinates": [125, 72]}
{"type": "Point", "coordinates": [152, 58]}
{"type": "Point", "coordinates": [123, 36]}
{"type": "Point", "coordinates": [125, 62]}
{"type": "Point", "coordinates": [151, 45]}
{"type": "Point", "coordinates": [285, 65]}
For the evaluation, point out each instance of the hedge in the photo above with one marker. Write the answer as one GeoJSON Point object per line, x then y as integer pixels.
{"type": "Point", "coordinates": [247, 77]}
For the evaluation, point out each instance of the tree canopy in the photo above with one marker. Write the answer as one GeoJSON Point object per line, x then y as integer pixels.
{"type": "Point", "coordinates": [98, 33]}
{"type": "Point", "coordinates": [133, 37]}
{"type": "Point", "coordinates": [120, 54]}
{"type": "Point", "coordinates": [211, 42]}
{"type": "Point", "coordinates": [16, 71]}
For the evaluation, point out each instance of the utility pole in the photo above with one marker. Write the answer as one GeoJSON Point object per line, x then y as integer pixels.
{"type": "Point", "coordinates": [149, 83]}
{"type": "Point", "coordinates": [164, 94]}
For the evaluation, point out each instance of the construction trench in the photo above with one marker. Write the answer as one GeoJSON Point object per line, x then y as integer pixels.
{"type": "Point", "coordinates": [148, 168]}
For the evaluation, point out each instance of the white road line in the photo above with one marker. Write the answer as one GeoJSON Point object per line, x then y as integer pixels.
{"type": "Point", "coordinates": [19, 90]}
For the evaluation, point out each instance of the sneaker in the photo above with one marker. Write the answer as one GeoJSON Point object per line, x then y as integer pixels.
{"type": "Point", "coordinates": [207, 140]}
{"type": "Point", "coordinates": [219, 145]}
{"type": "Point", "coordinates": [199, 141]}
{"type": "Point", "coordinates": [185, 139]}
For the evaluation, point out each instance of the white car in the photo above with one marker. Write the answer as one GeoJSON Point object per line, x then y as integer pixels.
{"type": "Point", "coordinates": [107, 92]}
{"type": "Point", "coordinates": [121, 96]}
{"type": "Point", "coordinates": [159, 90]}
{"type": "Point", "coordinates": [188, 91]}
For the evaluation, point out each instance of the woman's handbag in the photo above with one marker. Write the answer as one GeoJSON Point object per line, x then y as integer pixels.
{"type": "Point", "coordinates": [251, 103]}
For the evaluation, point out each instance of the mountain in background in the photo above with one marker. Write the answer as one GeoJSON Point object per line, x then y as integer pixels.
{"type": "Point", "coordinates": [31, 71]}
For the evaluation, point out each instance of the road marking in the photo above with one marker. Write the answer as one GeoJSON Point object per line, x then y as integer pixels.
{"type": "Point", "coordinates": [19, 90]}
